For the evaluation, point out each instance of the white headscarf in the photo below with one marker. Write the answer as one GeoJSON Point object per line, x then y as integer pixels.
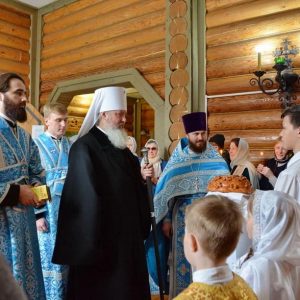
{"type": "Point", "coordinates": [273, 270]}
{"type": "Point", "coordinates": [242, 161]}
{"type": "Point", "coordinates": [132, 140]}
{"type": "Point", "coordinates": [105, 99]}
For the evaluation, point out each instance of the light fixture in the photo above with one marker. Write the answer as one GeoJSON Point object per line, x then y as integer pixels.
{"type": "Point", "coordinates": [285, 79]}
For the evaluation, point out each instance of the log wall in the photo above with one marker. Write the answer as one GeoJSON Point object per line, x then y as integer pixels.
{"type": "Point", "coordinates": [99, 36]}
{"type": "Point", "coordinates": [15, 41]}
{"type": "Point", "coordinates": [234, 29]}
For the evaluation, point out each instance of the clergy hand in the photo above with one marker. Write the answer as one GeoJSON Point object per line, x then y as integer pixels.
{"type": "Point", "coordinates": [167, 229]}
{"type": "Point", "coordinates": [27, 196]}
{"type": "Point", "coordinates": [42, 225]}
{"type": "Point", "coordinates": [147, 171]}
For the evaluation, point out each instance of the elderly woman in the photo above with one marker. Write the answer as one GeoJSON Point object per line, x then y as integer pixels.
{"type": "Point", "coordinates": [131, 144]}
{"type": "Point", "coordinates": [154, 159]}
{"type": "Point", "coordinates": [272, 267]}
{"type": "Point", "coordinates": [163, 243]}
{"type": "Point", "coordinates": [240, 161]}
{"type": "Point", "coordinates": [273, 167]}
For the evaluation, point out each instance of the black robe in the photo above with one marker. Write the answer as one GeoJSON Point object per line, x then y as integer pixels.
{"type": "Point", "coordinates": [103, 219]}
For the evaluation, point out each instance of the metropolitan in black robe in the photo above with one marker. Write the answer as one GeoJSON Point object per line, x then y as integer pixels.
{"type": "Point", "coordinates": [103, 220]}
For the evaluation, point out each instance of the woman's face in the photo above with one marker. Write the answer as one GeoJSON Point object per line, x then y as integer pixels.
{"type": "Point", "coordinates": [152, 150]}
{"type": "Point", "coordinates": [280, 152]}
{"type": "Point", "coordinates": [232, 150]}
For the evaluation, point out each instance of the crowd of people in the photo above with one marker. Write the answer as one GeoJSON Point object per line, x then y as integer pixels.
{"type": "Point", "coordinates": [94, 239]}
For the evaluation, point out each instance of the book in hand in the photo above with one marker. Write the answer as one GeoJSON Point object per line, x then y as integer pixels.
{"type": "Point", "coordinates": [42, 192]}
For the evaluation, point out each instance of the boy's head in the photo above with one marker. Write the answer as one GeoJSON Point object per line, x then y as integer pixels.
{"type": "Point", "coordinates": [213, 227]}
{"type": "Point", "coordinates": [56, 117]}
{"type": "Point", "coordinates": [290, 133]}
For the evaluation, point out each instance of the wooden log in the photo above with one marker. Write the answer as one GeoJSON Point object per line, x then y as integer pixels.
{"type": "Point", "coordinates": [67, 10]}
{"type": "Point", "coordinates": [12, 66]}
{"type": "Point", "coordinates": [178, 43]}
{"type": "Point", "coordinates": [14, 17]}
{"type": "Point", "coordinates": [178, 60]}
{"type": "Point", "coordinates": [227, 85]}
{"type": "Point", "coordinates": [14, 30]}
{"type": "Point", "coordinates": [14, 42]}
{"type": "Point", "coordinates": [124, 58]}
{"type": "Point", "coordinates": [178, 9]}
{"type": "Point", "coordinates": [172, 147]}
{"type": "Point", "coordinates": [110, 18]}
{"type": "Point", "coordinates": [240, 65]}
{"type": "Point", "coordinates": [177, 112]}
{"type": "Point", "coordinates": [179, 78]}
{"type": "Point", "coordinates": [179, 95]}
{"type": "Point", "coordinates": [14, 54]}
{"type": "Point", "coordinates": [249, 10]}
{"type": "Point", "coordinates": [145, 66]}
{"type": "Point", "coordinates": [217, 4]}
{"type": "Point", "coordinates": [88, 13]}
{"type": "Point", "coordinates": [161, 90]}
{"type": "Point", "coordinates": [132, 26]}
{"type": "Point", "coordinates": [247, 47]}
{"type": "Point", "coordinates": [176, 131]}
{"type": "Point", "coordinates": [263, 119]}
{"type": "Point", "coordinates": [244, 103]}
{"type": "Point", "coordinates": [155, 78]}
{"type": "Point", "coordinates": [267, 26]}
{"type": "Point", "coordinates": [257, 138]}
{"type": "Point", "coordinates": [178, 26]}
{"type": "Point", "coordinates": [122, 42]}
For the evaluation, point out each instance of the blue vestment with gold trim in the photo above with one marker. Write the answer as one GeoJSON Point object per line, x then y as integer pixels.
{"type": "Point", "coordinates": [184, 179]}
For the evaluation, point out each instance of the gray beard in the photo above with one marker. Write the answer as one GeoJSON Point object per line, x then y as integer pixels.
{"type": "Point", "coordinates": [118, 137]}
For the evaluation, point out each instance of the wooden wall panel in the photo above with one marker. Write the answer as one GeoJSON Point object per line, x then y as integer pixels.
{"type": "Point", "coordinates": [234, 29]}
{"type": "Point", "coordinates": [14, 41]}
{"type": "Point", "coordinates": [98, 36]}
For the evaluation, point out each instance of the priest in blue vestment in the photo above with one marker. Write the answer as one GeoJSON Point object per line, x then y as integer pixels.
{"type": "Point", "coordinates": [20, 169]}
{"type": "Point", "coordinates": [54, 149]}
{"type": "Point", "coordinates": [191, 166]}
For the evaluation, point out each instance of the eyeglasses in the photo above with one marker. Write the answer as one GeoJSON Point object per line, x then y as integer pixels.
{"type": "Point", "coordinates": [151, 148]}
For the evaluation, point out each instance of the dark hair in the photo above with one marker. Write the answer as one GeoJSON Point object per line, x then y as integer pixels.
{"type": "Point", "coordinates": [294, 113]}
{"type": "Point", "coordinates": [5, 79]}
{"type": "Point", "coordinates": [219, 139]}
{"type": "Point", "coordinates": [236, 141]}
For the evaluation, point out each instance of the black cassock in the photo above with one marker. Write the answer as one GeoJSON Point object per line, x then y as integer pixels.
{"type": "Point", "coordinates": [103, 219]}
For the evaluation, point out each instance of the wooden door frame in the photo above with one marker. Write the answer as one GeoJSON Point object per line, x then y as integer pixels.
{"type": "Point", "coordinates": [64, 91]}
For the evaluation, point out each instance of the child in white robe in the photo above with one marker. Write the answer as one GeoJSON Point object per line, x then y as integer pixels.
{"type": "Point", "coordinates": [272, 269]}
{"type": "Point", "coordinates": [213, 226]}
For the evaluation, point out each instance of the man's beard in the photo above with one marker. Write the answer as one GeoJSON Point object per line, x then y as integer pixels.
{"type": "Point", "coordinates": [15, 112]}
{"type": "Point", "coordinates": [118, 137]}
{"type": "Point", "coordinates": [197, 148]}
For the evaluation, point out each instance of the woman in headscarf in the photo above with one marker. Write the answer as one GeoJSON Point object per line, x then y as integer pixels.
{"type": "Point", "coordinates": [154, 159]}
{"type": "Point", "coordinates": [272, 267]}
{"type": "Point", "coordinates": [273, 167]}
{"type": "Point", "coordinates": [163, 243]}
{"type": "Point", "coordinates": [131, 145]}
{"type": "Point", "coordinates": [240, 161]}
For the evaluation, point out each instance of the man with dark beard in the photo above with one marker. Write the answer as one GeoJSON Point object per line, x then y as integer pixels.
{"type": "Point", "coordinates": [20, 168]}
{"type": "Point", "coordinates": [191, 166]}
{"type": "Point", "coordinates": [104, 216]}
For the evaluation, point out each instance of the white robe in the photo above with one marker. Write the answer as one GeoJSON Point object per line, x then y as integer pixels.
{"type": "Point", "coordinates": [289, 180]}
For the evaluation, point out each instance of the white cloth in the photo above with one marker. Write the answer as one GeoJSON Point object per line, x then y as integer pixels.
{"type": "Point", "coordinates": [288, 180]}
{"type": "Point", "coordinates": [242, 161]}
{"type": "Point", "coordinates": [273, 270]}
{"type": "Point", "coordinates": [244, 242]}
{"type": "Point", "coordinates": [105, 99]}
{"type": "Point", "coordinates": [215, 275]}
